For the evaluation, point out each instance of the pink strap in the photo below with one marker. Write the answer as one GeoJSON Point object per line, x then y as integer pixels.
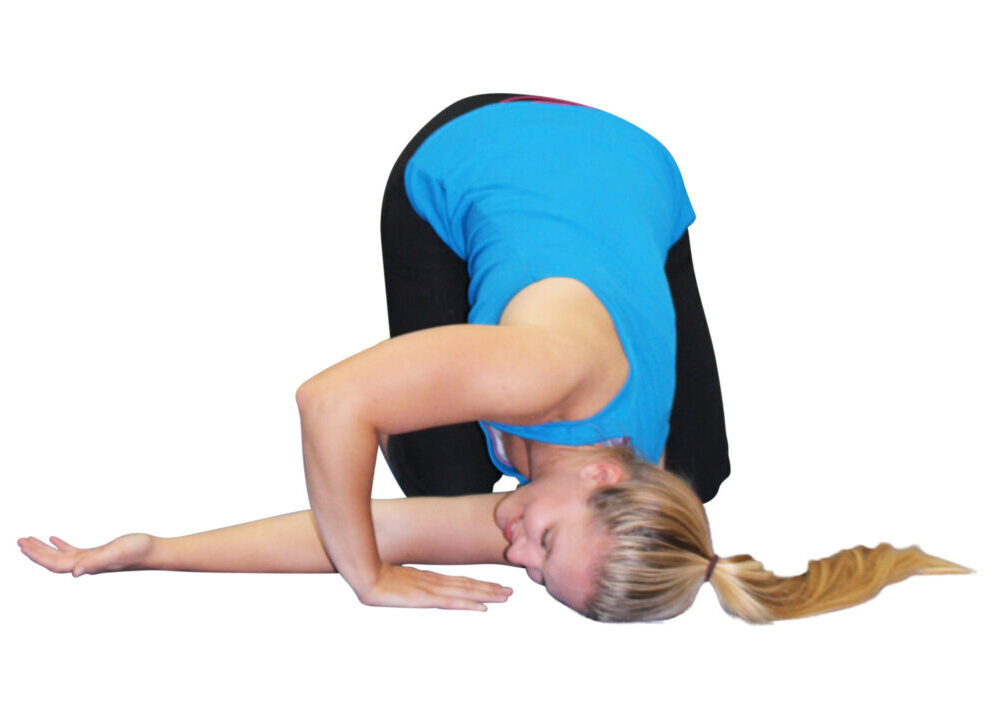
{"type": "Point", "coordinates": [541, 99]}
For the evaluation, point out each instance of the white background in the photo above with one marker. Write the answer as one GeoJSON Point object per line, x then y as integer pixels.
{"type": "Point", "coordinates": [189, 210]}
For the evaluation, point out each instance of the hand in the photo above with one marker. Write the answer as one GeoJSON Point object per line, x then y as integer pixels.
{"type": "Point", "coordinates": [405, 587]}
{"type": "Point", "coordinates": [126, 552]}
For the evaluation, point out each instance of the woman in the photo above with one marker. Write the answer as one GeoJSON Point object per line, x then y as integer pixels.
{"type": "Point", "coordinates": [545, 323]}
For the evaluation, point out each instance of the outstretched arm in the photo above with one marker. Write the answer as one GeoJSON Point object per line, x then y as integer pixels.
{"type": "Point", "coordinates": [409, 531]}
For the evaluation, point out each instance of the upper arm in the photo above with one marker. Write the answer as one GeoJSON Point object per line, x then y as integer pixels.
{"type": "Point", "coordinates": [452, 374]}
{"type": "Point", "coordinates": [454, 530]}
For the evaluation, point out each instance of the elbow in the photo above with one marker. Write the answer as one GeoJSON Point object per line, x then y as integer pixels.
{"type": "Point", "coordinates": [312, 399]}
{"type": "Point", "coordinates": [330, 412]}
{"type": "Point", "coordinates": [303, 394]}
{"type": "Point", "coordinates": [324, 396]}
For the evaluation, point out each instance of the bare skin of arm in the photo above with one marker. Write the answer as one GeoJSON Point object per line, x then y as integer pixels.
{"type": "Point", "coordinates": [439, 376]}
{"type": "Point", "coordinates": [409, 531]}
{"type": "Point", "coordinates": [428, 378]}
{"type": "Point", "coordinates": [516, 374]}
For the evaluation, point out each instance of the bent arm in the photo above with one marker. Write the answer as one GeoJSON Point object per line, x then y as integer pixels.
{"type": "Point", "coordinates": [457, 530]}
{"type": "Point", "coordinates": [439, 376]}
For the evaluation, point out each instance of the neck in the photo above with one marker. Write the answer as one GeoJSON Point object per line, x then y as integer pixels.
{"type": "Point", "coordinates": [549, 459]}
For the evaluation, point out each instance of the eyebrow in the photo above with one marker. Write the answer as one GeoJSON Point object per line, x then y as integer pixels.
{"type": "Point", "coordinates": [549, 533]}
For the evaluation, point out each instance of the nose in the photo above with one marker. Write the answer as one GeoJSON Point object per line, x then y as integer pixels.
{"type": "Point", "coordinates": [521, 552]}
{"type": "Point", "coordinates": [516, 554]}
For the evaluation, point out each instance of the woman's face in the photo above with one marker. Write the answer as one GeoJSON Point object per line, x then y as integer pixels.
{"type": "Point", "coordinates": [552, 534]}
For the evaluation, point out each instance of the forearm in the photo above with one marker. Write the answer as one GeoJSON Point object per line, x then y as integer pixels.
{"type": "Point", "coordinates": [339, 454]}
{"type": "Point", "coordinates": [456, 530]}
{"type": "Point", "coordinates": [282, 544]}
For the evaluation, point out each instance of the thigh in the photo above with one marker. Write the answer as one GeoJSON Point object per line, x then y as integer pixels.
{"type": "Point", "coordinates": [696, 448]}
{"type": "Point", "coordinates": [426, 285]}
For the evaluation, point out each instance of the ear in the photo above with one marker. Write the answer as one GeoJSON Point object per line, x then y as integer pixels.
{"type": "Point", "coordinates": [601, 473]}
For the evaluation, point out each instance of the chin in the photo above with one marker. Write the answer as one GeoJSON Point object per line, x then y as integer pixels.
{"type": "Point", "coordinates": [498, 516]}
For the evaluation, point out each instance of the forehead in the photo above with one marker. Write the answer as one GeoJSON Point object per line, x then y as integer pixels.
{"type": "Point", "coordinates": [577, 545]}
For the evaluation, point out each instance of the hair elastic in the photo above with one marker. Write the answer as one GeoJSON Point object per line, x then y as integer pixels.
{"type": "Point", "coordinates": [711, 566]}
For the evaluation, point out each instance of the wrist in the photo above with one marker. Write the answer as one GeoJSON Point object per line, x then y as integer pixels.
{"type": "Point", "coordinates": [366, 589]}
{"type": "Point", "coordinates": [154, 557]}
{"type": "Point", "coordinates": [362, 580]}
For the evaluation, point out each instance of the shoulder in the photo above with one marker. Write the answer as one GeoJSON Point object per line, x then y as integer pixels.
{"type": "Point", "coordinates": [512, 374]}
{"type": "Point", "coordinates": [580, 324]}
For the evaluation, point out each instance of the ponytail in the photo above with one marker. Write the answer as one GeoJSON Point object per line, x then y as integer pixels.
{"type": "Point", "coordinates": [749, 591]}
{"type": "Point", "coordinates": [661, 551]}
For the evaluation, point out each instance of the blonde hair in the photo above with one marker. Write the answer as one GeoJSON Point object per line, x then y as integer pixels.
{"type": "Point", "coordinates": [661, 547]}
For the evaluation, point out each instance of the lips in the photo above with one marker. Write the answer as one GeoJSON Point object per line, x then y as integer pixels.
{"type": "Point", "coordinates": [509, 529]}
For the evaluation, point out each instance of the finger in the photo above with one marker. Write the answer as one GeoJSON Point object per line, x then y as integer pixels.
{"type": "Point", "coordinates": [463, 590]}
{"type": "Point", "coordinates": [475, 582]}
{"type": "Point", "coordinates": [61, 544]}
{"type": "Point", "coordinates": [39, 544]}
{"type": "Point", "coordinates": [487, 585]}
{"type": "Point", "coordinates": [465, 579]}
{"type": "Point", "coordinates": [435, 593]}
{"type": "Point", "coordinates": [44, 555]}
{"type": "Point", "coordinates": [459, 604]}
{"type": "Point", "coordinates": [477, 592]}
{"type": "Point", "coordinates": [468, 586]}
{"type": "Point", "coordinates": [474, 594]}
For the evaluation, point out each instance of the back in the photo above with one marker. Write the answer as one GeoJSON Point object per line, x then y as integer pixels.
{"type": "Point", "coordinates": [524, 191]}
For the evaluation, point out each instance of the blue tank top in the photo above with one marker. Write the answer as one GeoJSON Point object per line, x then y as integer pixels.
{"type": "Point", "coordinates": [524, 191]}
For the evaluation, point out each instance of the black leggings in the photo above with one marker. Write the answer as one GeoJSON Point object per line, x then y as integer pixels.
{"type": "Point", "coordinates": [427, 286]}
